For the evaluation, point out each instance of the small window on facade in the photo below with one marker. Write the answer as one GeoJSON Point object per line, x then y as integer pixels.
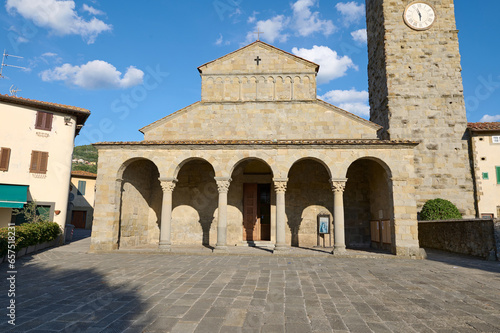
{"type": "Point", "coordinates": [39, 161]}
{"type": "Point", "coordinates": [4, 159]}
{"type": "Point", "coordinates": [81, 187]}
{"type": "Point", "coordinates": [485, 175]}
{"type": "Point", "coordinates": [44, 120]}
{"type": "Point", "coordinates": [487, 216]}
{"type": "Point", "coordinates": [496, 139]}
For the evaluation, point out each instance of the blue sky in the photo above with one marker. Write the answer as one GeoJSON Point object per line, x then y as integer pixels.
{"type": "Point", "coordinates": [134, 62]}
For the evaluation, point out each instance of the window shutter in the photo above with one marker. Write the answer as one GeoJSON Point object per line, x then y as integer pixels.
{"type": "Point", "coordinates": [34, 161]}
{"type": "Point", "coordinates": [48, 121]}
{"type": "Point", "coordinates": [81, 187]}
{"type": "Point", "coordinates": [39, 120]}
{"type": "Point", "coordinates": [44, 120]}
{"type": "Point", "coordinates": [498, 174]}
{"type": "Point", "coordinates": [44, 159]}
{"type": "Point", "coordinates": [4, 159]}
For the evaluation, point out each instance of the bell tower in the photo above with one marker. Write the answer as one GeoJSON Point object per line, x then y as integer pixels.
{"type": "Point", "coordinates": [416, 93]}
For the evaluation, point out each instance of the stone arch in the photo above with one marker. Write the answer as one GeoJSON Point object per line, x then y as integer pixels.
{"type": "Point", "coordinates": [140, 197]}
{"type": "Point", "coordinates": [250, 201]}
{"type": "Point", "coordinates": [265, 89]}
{"type": "Point", "coordinates": [342, 168]}
{"type": "Point", "coordinates": [218, 88]}
{"type": "Point", "coordinates": [176, 165]}
{"type": "Point", "coordinates": [208, 88]}
{"type": "Point", "coordinates": [283, 88]}
{"type": "Point", "coordinates": [308, 194]}
{"type": "Point", "coordinates": [249, 88]}
{"type": "Point", "coordinates": [368, 201]}
{"type": "Point", "coordinates": [313, 158]}
{"type": "Point", "coordinates": [236, 160]}
{"type": "Point", "coordinates": [194, 202]}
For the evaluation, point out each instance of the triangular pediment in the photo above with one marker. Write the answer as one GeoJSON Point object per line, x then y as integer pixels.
{"type": "Point", "coordinates": [258, 58]}
{"type": "Point", "coordinates": [260, 121]}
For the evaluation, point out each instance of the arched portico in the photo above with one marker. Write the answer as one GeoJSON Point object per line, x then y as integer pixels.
{"type": "Point", "coordinates": [369, 205]}
{"type": "Point", "coordinates": [308, 195]}
{"type": "Point", "coordinates": [194, 203]}
{"type": "Point", "coordinates": [139, 200]}
{"type": "Point", "coordinates": [251, 203]}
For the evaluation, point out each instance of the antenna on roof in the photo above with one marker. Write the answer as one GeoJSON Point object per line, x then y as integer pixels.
{"type": "Point", "coordinates": [13, 90]}
{"type": "Point", "coordinates": [4, 58]}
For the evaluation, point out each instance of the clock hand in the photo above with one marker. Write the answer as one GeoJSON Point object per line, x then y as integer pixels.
{"type": "Point", "coordinates": [419, 14]}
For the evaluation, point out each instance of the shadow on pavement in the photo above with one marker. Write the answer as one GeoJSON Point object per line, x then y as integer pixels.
{"type": "Point", "coordinates": [462, 260]}
{"type": "Point", "coordinates": [81, 234]}
{"type": "Point", "coordinates": [51, 297]}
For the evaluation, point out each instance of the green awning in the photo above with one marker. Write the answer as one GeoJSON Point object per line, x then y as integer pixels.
{"type": "Point", "coordinates": [13, 196]}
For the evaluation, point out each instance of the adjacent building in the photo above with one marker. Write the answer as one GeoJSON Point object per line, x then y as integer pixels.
{"type": "Point", "coordinates": [36, 142]}
{"type": "Point", "coordinates": [485, 158]}
{"type": "Point", "coordinates": [81, 199]}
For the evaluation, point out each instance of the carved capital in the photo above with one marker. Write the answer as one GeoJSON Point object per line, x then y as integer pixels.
{"type": "Point", "coordinates": [223, 184]}
{"type": "Point", "coordinates": [280, 185]}
{"type": "Point", "coordinates": [168, 185]}
{"type": "Point", "coordinates": [338, 185]}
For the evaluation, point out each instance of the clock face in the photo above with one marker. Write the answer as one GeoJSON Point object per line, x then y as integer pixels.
{"type": "Point", "coordinates": [419, 15]}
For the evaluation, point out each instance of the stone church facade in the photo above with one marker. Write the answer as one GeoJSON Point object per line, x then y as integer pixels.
{"type": "Point", "coordinates": [259, 159]}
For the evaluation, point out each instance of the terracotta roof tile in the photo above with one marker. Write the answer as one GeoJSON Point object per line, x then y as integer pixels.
{"type": "Point", "coordinates": [8, 98]}
{"type": "Point", "coordinates": [331, 142]}
{"type": "Point", "coordinates": [80, 173]}
{"type": "Point", "coordinates": [484, 126]}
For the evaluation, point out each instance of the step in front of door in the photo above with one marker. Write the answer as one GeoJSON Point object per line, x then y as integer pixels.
{"type": "Point", "coordinates": [268, 244]}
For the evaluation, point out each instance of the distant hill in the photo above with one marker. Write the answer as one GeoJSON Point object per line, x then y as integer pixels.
{"type": "Point", "coordinates": [87, 153]}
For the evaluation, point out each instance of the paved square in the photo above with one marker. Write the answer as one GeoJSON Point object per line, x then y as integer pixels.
{"type": "Point", "coordinates": [67, 290]}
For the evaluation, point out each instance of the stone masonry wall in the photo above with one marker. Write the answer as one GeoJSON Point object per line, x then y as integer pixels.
{"type": "Point", "coordinates": [472, 237]}
{"type": "Point", "coordinates": [261, 121]}
{"type": "Point", "coordinates": [416, 93]}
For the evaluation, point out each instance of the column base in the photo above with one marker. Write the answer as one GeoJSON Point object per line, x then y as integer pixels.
{"type": "Point", "coordinates": [278, 248]}
{"type": "Point", "coordinates": [164, 247]}
{"type": "Point", "coordinates": [220, 249]}
{"type": "Point", "coordinates": [339, 251]}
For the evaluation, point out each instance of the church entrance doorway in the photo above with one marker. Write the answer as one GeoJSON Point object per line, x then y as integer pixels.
{"type": "Point", "coordinates": [257, 212]}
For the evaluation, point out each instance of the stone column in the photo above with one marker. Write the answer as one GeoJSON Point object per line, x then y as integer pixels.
{"type": "Point", "coordinates": [223, 187]}
{"type": "Point", "coordinates": [280, 188]}
{"type": "Point", "coordinates": [338, 187]}
{"type": "Point", "coordinates": [167, 185]}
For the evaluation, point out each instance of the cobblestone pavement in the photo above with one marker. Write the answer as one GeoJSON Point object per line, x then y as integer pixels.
{"type": "Point", "coordinates": [67, 290]}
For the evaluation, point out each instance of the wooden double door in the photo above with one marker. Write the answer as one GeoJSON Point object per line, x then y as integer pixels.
{"type": "Point", "coordinates": [257, 212]}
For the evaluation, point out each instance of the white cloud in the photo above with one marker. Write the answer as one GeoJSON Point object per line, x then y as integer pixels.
{"type": "Point", "coordinates": [91, 10]}
{"type": "Point", "coordinates": [350, 100]}
{"type": "Point", "coordinates": [49, 54]}
{"type": "Point", "coordinates": [96, 74]}
{"type": "Point", "coordinates": [58, 16]}
{"type": "Point", "coordinates": [488, 118]}
{"type": "Point", "coordinates": [272, 29]}
{"type": "Point", "coordinates": [252, 18]}
{"type": "Point", "coordinates": [221, 41]}
{"type": "Point", "coordinates": [360, 36]}
{"type": "Point", "coordinates": [351, 11]}
{"type": "Point", "coordinates": [307, 22]}
{"type": "Point", "coordinates": [332, 66]}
